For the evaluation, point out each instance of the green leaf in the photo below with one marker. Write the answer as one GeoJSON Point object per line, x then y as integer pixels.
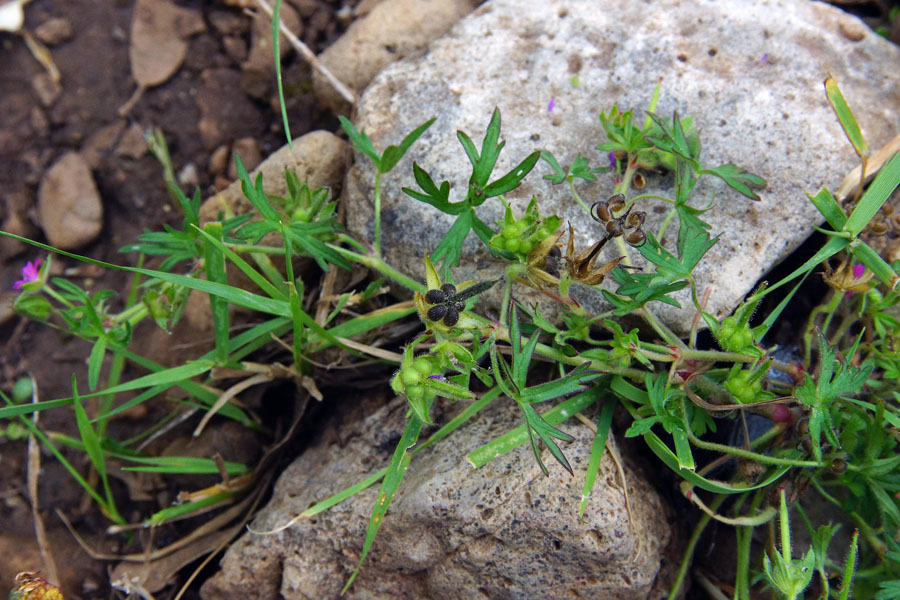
{"type": "Point", "coordinates": [449, 249]}
{"type": "Point", "coordinates": [437, 197]}
{"type": "Point", "coordinates": [254, 193]}
{"type": "Point", "coordinates": [214, 267]}
{"type": "Point", "coordinates": [393, 154]}
{"type": "Point", "coordinates": [392, 479]}
{"type": "Point", "coordinates": [558, 175]}
{"type": "Point", "coordinates": [361, 141]}
{"type": "Point", "coordinates": [518, 436]}
{"type": "Point", "coordinates": [845, 117]}
{"type": "Point", "coordinates": [276, 52]}
{"type": "Point", "coordinates": [604, 423]}
{"type": "Point", "coordinates": [539, 428]}
{"type": "Point", "coordinates": [95, 362]}
{"type": "Point", "coordinates": [737, 178]}
{"type": "Point", "coordinates": [511, 180]}
{"type": "Point", "coordinates": [490, 151]}
{"type": "Point", "coordinates": [830, 208]}
{"type": "Point", "coordinates": [875, 196]}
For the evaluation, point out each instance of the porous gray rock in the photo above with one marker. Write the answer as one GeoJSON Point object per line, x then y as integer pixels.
{"type": "Point", "coordinates": [69, 207]}
{"type": "Point", "coordinates": [394, 29]}
{"type": "Point", "coordinates": [502, 531]}
{"type": "Point", "coordinates": [749, 72]}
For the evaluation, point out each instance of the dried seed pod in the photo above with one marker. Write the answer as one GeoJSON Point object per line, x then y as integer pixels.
{"type": "Point", "coordinates": [452, 317]}
{"type": "Point", "coordinates": [635, 220]}
{"type": "Point", "coordinates": [638, 180]}
{"type": "Point", "coordinates": [600, 211]}
{"type": "Point", "coordinates": [435, 296]}
{"type": "Point", "coordinates": [551, 261]}
{"type": "Point", "coordinates": [616, 203]}
{"type": "Point", "coordinates": [614, 228]}
{"type": "Point", "coordinates": [636, 238]}
{"type": "Point", "coordinates": [887, 210]}
{"type": "Point", "coordinates": [438, 312]}
{"type": "Point", "coordinates": [448, 288]}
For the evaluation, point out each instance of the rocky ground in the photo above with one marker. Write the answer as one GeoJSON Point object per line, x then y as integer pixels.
{"type": "Point", "coordinates": [78, 174]}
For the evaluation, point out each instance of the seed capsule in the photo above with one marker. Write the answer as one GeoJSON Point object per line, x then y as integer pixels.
{"type": "Point", "coordinates": [614, 228]}
{"type": "Point", "coordinates": [448, 288]}
{"type": "Point", "coordinates": [617, 202]}
{"type": "Point", "coordinates": [600, 211]}
{"type": "Point", "coordinates": [636, 238]}
{"type": "Point", "coordinates": [435, 296]}
{"type": "Point", "coordinates": [437, 312]}
{"type": "Point", "coordinates": [635, 220]}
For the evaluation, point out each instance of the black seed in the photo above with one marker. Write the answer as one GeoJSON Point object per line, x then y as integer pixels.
{"type": "Point", "coordinates": [436, 313]}
{"type": "Point", "coordinates": [452, 317]}
{"type": "Point", "coordinates": [448, 288]}
{"type": "Point", "coordinates": [435, 296]}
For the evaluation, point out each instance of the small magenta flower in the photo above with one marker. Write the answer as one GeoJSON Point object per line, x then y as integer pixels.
{"type": "Point", "coordinates": [30, 273]}
{"type": "Point", "coordinates": [551, 104]}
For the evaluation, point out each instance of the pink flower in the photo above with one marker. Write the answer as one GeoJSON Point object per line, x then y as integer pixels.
{"type": "Point", "coordinates": [30, 272]}
{"type": "Point", "coordinates": [551, 104]}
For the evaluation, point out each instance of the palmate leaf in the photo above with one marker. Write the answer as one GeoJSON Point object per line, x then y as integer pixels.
{"type": "Point", "coordinates": [737, 178]}
{"type": "Point", "coordinates": [539, 428]}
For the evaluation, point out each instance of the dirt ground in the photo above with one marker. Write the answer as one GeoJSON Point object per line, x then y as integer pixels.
{"type": "Point", "coordinates": [212, 101]}
{"type": "Point", "coordinates": [203, 109]}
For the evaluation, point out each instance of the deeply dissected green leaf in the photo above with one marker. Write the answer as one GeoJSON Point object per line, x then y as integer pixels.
{"type": "Point", "coordinates": [737, 178]}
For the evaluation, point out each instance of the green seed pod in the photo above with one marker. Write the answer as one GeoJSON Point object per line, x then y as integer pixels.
{"type": "Point", "coordinates": [423, 365]}
{"type": "Point", "coordinates": [415, 391]}
{"type": "Point", "coordinates": [410, 376]}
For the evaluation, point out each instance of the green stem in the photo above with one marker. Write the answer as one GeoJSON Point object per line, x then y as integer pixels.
{"type": "Point", "coordinates": [55, 295]}
{"type": "Point", "coordinates": [575, 195]}
{"type": "Point", "coordinates": [691, 545]}
{"type": "Point", "coordinates": [829, 307]}
{"type": "Point", "coordinates": [665, 224]}
{"type": "Point", "coordinates": [373, 262]}
{"type": "Point", "coordinates": [378, 213]}
{"type": "Point", "coordinates": [667, 334]}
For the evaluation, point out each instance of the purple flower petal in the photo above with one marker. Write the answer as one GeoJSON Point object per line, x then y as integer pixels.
{"type": "Point", "coordinates": [858, 271]}
{"type": "Point", "coordinates": [551, 104]}
{"type": "Point", "coordinates": [30, 272]}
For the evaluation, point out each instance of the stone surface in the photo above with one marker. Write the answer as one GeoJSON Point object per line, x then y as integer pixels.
{"type": "Point", "coordinates": [319, 158]}
{"type": "Point", "coordinates": [750, 73]}
{"type": "Point", "coordinates": [392, 30]}
{"type": "Point", "coordinates": [502, 531]}
{"type": "Point", "coordinates": [69, 207]}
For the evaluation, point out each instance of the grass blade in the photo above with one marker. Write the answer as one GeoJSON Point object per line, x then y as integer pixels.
{"type": "Point", "coordinates": [846, 118]}
{"type": "Point", "coordinates": [214, 266]}
{"type": "Point", "coordinates": [604, 423]}
{"type": "Point", "coordinates": [276, 51]}
{"type": "Point", "coordinates": [392, 479]}
{"type": "Point", "coordinates": [518, 436]}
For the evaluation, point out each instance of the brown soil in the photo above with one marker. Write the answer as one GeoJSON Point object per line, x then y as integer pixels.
{"type": "Point", "coordinates": [209, 88]}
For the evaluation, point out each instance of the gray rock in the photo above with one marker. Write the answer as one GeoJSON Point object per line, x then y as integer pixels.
{"type": "Point", "coordinates": [393, 30]}
{"type": "Point", "coordinates": [69, 207]}
{"type": "Point", "coordinates": [750, 73]}
{"type": "Point", "coordinates": [502, 531]}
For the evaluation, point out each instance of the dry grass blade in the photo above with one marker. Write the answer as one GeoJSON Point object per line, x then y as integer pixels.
{"type": "Point", "coordinates": [34, 470]}
{"type": "Point", "coordinates": [873, 165]}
